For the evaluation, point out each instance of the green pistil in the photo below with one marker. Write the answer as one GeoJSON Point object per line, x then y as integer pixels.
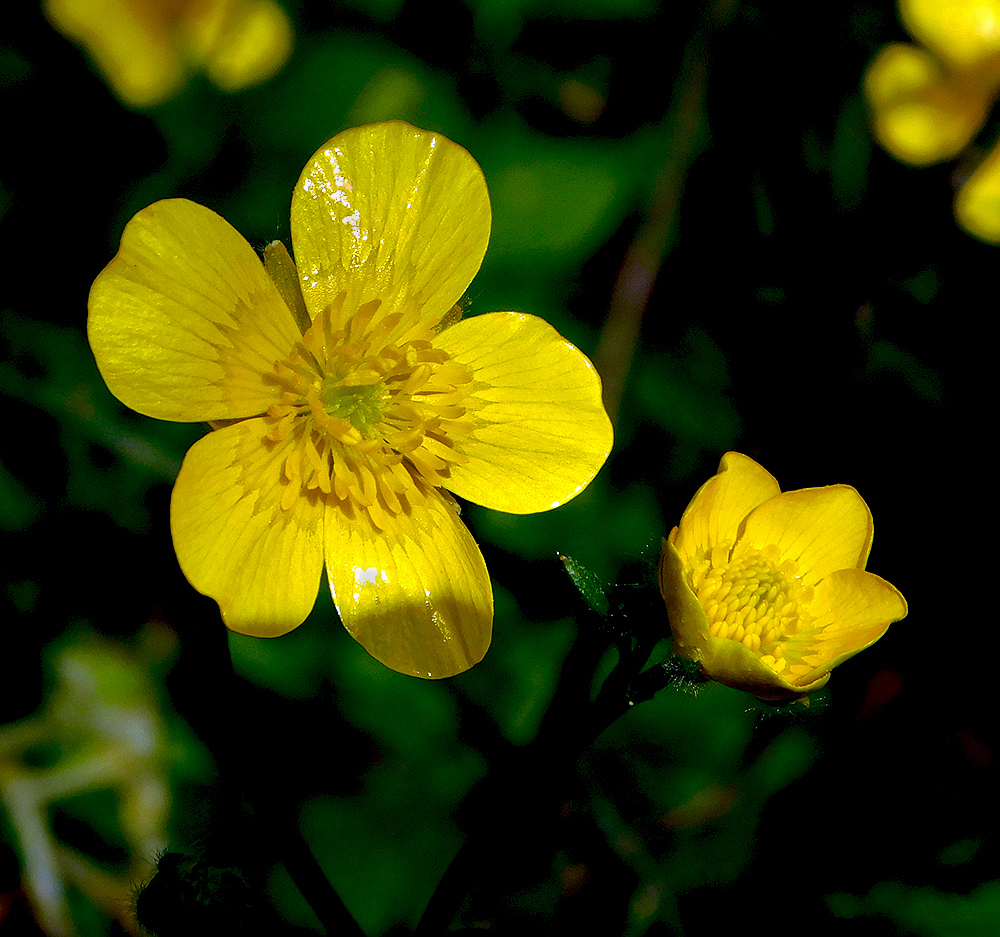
{"type": "Point", "coordinates": [362, 405]}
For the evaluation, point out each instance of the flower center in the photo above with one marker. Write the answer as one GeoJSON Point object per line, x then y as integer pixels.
{"type": "Point", "coordinates": [754, 597]}
{"type": "Point", "coordinates": [361, 406]}
{"type": "Point", "coordinates": [374, 411]}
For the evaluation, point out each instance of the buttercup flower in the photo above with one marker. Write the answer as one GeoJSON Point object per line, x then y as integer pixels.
{"type": "Point", "coordinates": [347, 397]}
{"type": "Point", "coordinates": [929, 101]}
{"type": "Point", "coordinates": [766, 590]}
{"type": "Point", "coordinates": [147, 49]}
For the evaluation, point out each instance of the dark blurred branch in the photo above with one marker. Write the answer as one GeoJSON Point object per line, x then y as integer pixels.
{"type": "Point", "coordinates": [685, 131]}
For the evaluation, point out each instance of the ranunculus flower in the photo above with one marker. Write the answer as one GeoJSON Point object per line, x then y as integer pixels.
{"type": "Point", "coordinates": [147, 49]}
{"type": "Point", "coordinates": [348, 398]}
{"type": "Point", "coordinates": [929, 101]}
{"type": "Point", "coordinates": [766, 590]}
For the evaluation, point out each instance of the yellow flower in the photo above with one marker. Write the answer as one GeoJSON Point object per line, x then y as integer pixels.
{"type": "Point", "coordinates": [766, 590]}
{"type": "Point", "coordinates": [929, 102]}
{"type": "Point", "coordinates": [348, 397]}
{"type": "Point", "coordinates": [148, 48]}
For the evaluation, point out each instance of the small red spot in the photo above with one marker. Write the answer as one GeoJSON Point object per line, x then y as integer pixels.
{"type": "Point", "coordinates": [883, 687]}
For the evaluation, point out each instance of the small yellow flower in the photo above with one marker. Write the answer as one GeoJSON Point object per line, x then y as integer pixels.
{"type": "Point", "coordinates": [147, 49]}
{"type": "Point", "coordinates": [347, 397]}
{"type": "Point", "coordinates": [929, 101]}
{"type": "Point", "coordinates": [766, 590]}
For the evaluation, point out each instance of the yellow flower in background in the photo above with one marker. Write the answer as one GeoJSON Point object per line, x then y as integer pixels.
{"type": "Point", "coordinates": [928, 102]}
{"type": "Point", "coordinates": [147, 49]}
{"type": "Point", "coordinates": [766, 590]}
{"type": "Point", "coordinates": [348, 397]}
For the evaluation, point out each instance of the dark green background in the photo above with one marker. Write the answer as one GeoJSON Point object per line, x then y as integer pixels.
{"type": "Point", "coordinates": [816, 308]}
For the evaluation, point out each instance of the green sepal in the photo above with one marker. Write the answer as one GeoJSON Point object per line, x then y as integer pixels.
{"type": "Point", "coordinates": [588, 584]}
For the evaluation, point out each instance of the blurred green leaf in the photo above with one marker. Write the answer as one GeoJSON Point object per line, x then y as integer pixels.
{"type": "Point", "coordinates": [926, 912]}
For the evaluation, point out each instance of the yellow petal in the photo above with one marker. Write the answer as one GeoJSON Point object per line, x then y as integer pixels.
{"type": "Point", "coordinates": [922, 115]}
{"type": "Point", "coordinates": [417, 596]}
{"type": "Point", "coordinates": [732, 663]}
{"type": "Point", "coordinates": [391, 213]}
{"type": "Point", "coordinates": [184, 322]}
{"type": "Point", "coordinates": [541, 431]}
{"type": "Point", "coordinates": [688, 623]}
{"type": "Point", "coordinates": [133, 45]}
{"type": "Point", "coordinates": [966, 33]}
{"type": "Point", "coordinates": [977, 205]}
{"type": "Point", "coordinates": [820, 529]}
{"type": "Point", "coordinates": [235, 543]}
{"type": "Point", "coordinates": [241, 43]}
{"type": "Point", "coordinates": [853, 609]}
{"type": "Point", "coordinates": [720, 505]}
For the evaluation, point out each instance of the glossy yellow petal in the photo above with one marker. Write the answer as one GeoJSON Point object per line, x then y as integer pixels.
{"type": "Point", "coordinates": [235, 542]}
{"type": "Point", "coordinates": [416, 596]}
{"type": "Point", "coordinates": [853, 609]}
{"type": "Point", "coordinates": [921, 115]}
{"type": "Point", "coordinates": [391, 213]}
{"type": "Point", "coordinates": [132, 44]}
{"type": "Point", "coordinates": [966, 33]}
{"type": "Point", "coordinates": [541, 432]}
{"type": "Point", "coordinates": [977, 204]}
{"type": "Point", "coordinates": [720, 505]}
{"type": "Point", "coordinates": [819, 529]}
{"type": "Point", "coordinates": [184, 322]}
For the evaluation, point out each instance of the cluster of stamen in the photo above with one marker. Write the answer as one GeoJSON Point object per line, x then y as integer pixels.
{"type": "Point", "coordinates": [757, 598]}
{"type": "Point", "coordinates": [375, 411]}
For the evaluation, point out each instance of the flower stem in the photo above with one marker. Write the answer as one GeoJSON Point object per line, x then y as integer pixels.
{"type": "Point", "coordinates": [523, 793]}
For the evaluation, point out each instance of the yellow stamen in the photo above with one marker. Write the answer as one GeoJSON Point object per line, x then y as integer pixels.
{"type": "Point", "coordinates": [375, 416]}
{"type": "Point", "coordinates": [751, 598]}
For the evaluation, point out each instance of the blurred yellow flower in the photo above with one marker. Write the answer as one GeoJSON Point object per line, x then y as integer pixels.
{"type": "Point", "coordinates": [766, 590]}
{"type": "Point", "coordinates": [147, 49]}
{"type": "Point", "coordinates": [929, 102]}
{"type": "Point", "coordinates": [346, 397]}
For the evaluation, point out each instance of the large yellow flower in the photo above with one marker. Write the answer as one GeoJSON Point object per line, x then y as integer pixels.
{"type": "Point", "coordinates": [768, 590]}
{"type": "Point", "coordinates": [347, 397]}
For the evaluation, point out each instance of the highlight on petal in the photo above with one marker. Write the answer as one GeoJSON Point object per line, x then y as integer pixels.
{"type": "Point", "coordinates": [921, 114]}
{"type": "Point", "coordinates": [819, 529]}
{"type": "Point", "coordinates": [417, 596]}
{"type": "Point", "coordinates": [234, 542]}
{"type": "Point", "coordinates": [721, 504]}
{"type": "Point", "coordinates": [391, 213]}
{"type": "Point", "coordinates": [540, 429]}
{"type": "Point", "coordinates": [184, 322]}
